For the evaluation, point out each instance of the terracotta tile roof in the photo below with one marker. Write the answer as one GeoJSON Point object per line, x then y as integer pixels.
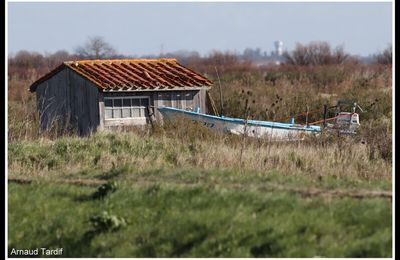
{"type": "Point", "coordinates": [133, 74]}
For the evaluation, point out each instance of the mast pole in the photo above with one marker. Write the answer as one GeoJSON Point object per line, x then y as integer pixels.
{"type": "Point", "coordinates": [220, 94]}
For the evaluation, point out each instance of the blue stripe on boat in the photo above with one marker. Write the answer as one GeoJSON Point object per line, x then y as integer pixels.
{"type": "Point", "coordinates": [288, 126]}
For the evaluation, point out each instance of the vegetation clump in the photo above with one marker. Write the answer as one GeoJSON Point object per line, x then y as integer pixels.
{"type": "Point", "coordinates": [106, 222]}
{"type": "Point", "coordinates": [105, 189]}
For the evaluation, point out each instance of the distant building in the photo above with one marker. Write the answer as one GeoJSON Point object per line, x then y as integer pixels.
{"type": "Point", "coordinates": [278, 48]}
{"type": "Point", "coordinates": [92, 95]}
{"type": "Point", "coordinates": [277, 55]}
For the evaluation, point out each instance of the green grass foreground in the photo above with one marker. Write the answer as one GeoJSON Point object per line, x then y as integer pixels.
{"type": "Point", "coordinates": [208, 220]}
{"type": "Point", "coordinates": [150, 195]}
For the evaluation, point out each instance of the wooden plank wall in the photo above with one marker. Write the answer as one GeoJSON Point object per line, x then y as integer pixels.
{"type": "Point", "coordinates": [69, 99]}
{"type": "Point", "coordinates": [51, 99]}
{"type": "Point", "coordinates": [180, 99]}
{"type": "Point", "coordinates": [84, 103]}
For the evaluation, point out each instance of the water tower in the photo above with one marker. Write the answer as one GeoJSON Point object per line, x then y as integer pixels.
{"type": "Point", "coordinates": [278, 48]}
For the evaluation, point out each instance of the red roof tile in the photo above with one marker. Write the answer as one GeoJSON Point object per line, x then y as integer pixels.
{"type": "Point", "coordinates": [133, 74]}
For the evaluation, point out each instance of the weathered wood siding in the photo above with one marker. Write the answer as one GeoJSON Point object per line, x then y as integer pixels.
{"type": "Point", "coordinates": [180, 99]}
{"type": "Point", "coordinates": [53, 106]}
{"type": "Point", "coordinates": [84, 103]}
{"type": "Point", "coordinates": [68, 98]}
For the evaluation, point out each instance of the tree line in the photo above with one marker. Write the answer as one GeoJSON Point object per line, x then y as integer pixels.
{"type": "Point", "coordinates": [310, 54]}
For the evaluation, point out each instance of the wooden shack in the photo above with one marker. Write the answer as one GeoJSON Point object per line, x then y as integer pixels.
{"type": "Point", "coordinates": [92, 95]}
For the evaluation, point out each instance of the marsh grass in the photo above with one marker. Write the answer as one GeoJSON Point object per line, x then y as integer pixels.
{"type": "Point", "coordinates": [338, 157]}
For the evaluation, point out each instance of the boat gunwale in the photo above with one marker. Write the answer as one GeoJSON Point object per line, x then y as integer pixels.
{"type": "Point", "coordinates": [270, 124]}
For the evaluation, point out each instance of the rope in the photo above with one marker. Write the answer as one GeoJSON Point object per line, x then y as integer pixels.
{"type": "Point", "coordinates": [328, 119]}
{"type": "Point", "coordinates": [304, 113]}
{"type": "Point", "coordinates": [296, 116]}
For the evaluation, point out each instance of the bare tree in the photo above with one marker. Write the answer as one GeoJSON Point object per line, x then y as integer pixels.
{"type": "Point", "coordinates": [57, 58]}
{"type": "Point", "coordinates": [339, 55]}
{"type": "Point", "coordinates": [28, 59]}
{"type": "Point", "coordinates": [95, 48]}
{"type": "Point", "coordinates": [385, 57]}
{"type": "Point", "coordinates": [315, 53]}
{"type": "Point", "coordinates": [298, 56]}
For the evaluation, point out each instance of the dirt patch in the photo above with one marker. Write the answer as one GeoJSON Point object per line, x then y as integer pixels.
{"type": "Point", "coordinates": [306, 192]}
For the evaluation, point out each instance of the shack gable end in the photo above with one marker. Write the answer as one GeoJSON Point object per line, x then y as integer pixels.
{"type": "Point", "coordinates": [67, 98]}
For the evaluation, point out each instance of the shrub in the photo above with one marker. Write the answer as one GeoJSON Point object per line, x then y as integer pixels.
{"type": "Point", "coordinates": [106, 222]}
{"type": "Point", "coordinates": [377, 134]}
{"type": "Point", "coordinates": [104, 190]}
{"type": "Point", "coordinates": [385, 57]}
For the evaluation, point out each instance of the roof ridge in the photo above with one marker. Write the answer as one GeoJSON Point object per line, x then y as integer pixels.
{"type": "Point", "coordinates": [120, 60]}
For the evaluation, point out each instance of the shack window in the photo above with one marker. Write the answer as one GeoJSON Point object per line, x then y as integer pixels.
{"type": "Point", "coordinates": [126, 107]}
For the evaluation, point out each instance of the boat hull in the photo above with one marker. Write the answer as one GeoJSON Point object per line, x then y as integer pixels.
{"type": "Point", "coordinates": [253, 128]}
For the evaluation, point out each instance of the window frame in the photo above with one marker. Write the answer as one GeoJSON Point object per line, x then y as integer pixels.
{"type": "Point", "coordinates": [122, 98]}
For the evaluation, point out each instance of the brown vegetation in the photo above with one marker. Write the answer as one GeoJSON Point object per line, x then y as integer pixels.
{"type": "Point", "coordinates": [273, 93]}
{"type": "Point", "coordinates": [384, 57]}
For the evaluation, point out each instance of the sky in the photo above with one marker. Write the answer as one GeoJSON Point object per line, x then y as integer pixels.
{"type": "Point", "coordinates": [138, 29]}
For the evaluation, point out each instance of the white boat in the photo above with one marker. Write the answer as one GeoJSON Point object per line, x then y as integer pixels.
{"type": "Point", "coordinates": [253, 128]}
